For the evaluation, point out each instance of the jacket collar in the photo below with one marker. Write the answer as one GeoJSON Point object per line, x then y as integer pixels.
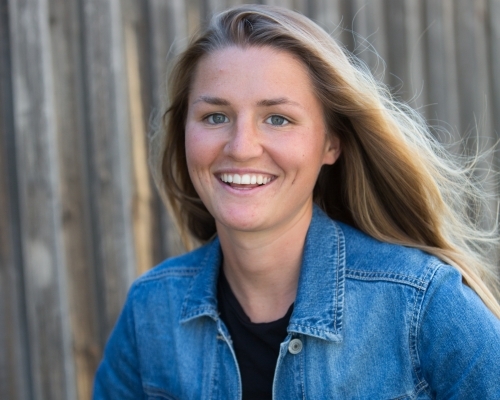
{"type": "Point", "coordinates": [319, 304]}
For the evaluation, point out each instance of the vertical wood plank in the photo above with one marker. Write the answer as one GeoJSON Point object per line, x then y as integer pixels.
{"type": "Point", "coordinates": [415, 93]}
{"type": "Point", "coordinates": [405, 50]}
{"type": "Point", "coordinates": [109, 155]}
{"type": "Point", "coordinates": [366, 20]}
{"type": "Point", "coordinates": [211, 7]}
{"type": "Point", "coordinates": [396, 46]}
{"type": "Point", "coordinates": [471, 66]}
{"type": "Point", "coordinates": [143, 196]}
{"type": "Point", "coordinates": [441, 72]}
{"type": "Point", "coordinates": [327, 14]}
{"type": "Point", "coordinates": [493, 18]}
{"type": "Point", "coordinates": [15, 379]}
{"type": "Point", "coordinates": [281, 3]}
{"type": "Point", "coordinates": [169, 35]}
{"type": "Point", "coordinates": [473, 89]}
{"type": "Point", "coordinates": [67, 62]}
{"type": "Point", "coordinates": [52, 364]}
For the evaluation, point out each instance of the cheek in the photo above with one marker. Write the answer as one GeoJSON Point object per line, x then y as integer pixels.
{"type": "Point", "coordinates": [303, 152]}
{"type": "Point", "coordinates": [201, 153]}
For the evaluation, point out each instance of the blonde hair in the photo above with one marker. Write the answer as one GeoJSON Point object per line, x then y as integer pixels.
{"type": "Point", "coordinates": [393, 181]}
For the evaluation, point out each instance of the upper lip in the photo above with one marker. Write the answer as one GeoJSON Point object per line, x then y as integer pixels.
{"type": "Point", "coordinates": [243, 172]}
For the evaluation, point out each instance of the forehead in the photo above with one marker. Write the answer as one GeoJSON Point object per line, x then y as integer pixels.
{"type": "Point", "coordinates": [254, 70]}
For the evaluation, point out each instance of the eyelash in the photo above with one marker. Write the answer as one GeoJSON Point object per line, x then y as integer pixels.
{"type": "Point", "coordinates": [211, 116]}
{"type": "Point", "coordinates": [286, 121]}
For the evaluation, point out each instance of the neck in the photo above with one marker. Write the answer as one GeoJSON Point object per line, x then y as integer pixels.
{"type": "Point", "coordinates": [263, 268]}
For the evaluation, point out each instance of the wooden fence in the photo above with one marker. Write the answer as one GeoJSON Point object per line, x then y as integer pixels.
{"type": "Point", "coordinates": [79, 218]}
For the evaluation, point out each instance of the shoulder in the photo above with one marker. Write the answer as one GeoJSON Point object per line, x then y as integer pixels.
{"type": "Point", "coordinates": [184, 265]}
{"type": "Point", "coordinates": [370, 259]}
{"type": "Point", "coordinates": [171, 280]}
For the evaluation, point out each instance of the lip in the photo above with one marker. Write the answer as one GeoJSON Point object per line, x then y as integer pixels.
{"type": "Point", "coordinates": [241, 171]}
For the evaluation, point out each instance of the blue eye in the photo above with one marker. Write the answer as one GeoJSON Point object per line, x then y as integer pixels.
{"type": "Point", "coordinates": [277, 120]}
{"type": "Point", "coordinates": [216, 119]}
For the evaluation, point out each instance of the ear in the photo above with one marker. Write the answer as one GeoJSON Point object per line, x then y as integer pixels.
{"type": "Point", "coordinates": [332, 149]}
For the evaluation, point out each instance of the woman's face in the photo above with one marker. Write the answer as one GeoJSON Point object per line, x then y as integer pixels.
{"type": "Point", "coordinates": [255, 138]}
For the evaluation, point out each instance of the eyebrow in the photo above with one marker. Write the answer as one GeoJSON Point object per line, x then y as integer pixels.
{"type": "Point", "coordinates": [276, 102]}
{"type": "Point", "coordinates": [218, 101]}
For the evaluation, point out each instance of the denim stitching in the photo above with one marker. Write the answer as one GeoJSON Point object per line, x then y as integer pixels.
{"type": "Point", "coordinates": [214, 369]}
{"type": "Point", "coordinates": [188, 294]}
{"type": "Point", "coordinates": [314, 329]}
{"type": "Point", "coordinates": [339, 299]}
{"type": "Point", "coordinates": [174, 271]}
{"type": "Point", "coordinates": [386, 276]}
{"type": "Point", "coordinates": [415, 324]}
{"type": "Point", "coordinates": [302, 375]}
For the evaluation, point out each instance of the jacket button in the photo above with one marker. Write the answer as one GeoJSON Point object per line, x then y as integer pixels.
{"type": "Point", "coordinates": [295, 346]}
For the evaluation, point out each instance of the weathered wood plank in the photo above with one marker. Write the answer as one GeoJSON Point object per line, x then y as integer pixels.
{"type": "Point", "coordinates": [473, 89]}
{"type": "Point", "coordinates": [493, 18]}
{"type": "Point", "coordinates": [281, 3]}
{"type": "Point", "coordinates": [366, 20]}
{"type": "Point", "coordinates": [415, 92]}
{"type": "Point", "coordinates": [211, 7]}
{"type": "Point", "coordinates": [65, 31]}
{"type": "Point", "coordinates": [15, 379]}
{"type": "Point", "coordinates": [109, 155]}
{"type": "Point", "coordinates": [471, 66]}
{"type": "Point", "coordinates": [52, 364]}
{"type": "Point", "coordinates": [397, 42]}
{"type": "Point", "coordinates": [144, 210]}
{"type": "Point", "coordinates": [442, 108]}
{"type": "Point", "coordinates": [169, 35]}
{"type": "Point", "coordinates": [327, 14]}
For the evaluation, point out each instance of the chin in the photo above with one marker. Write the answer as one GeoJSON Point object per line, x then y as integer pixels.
{"type": "Point", "coordinates": [243, 220]}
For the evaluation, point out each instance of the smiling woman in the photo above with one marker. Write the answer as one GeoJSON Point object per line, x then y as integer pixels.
{"type": "Point", "coordinates": [267, 124]}
{"type": "Point", "coordinates": [338, 257]}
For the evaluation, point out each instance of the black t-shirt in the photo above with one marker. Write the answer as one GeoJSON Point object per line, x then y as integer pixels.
{"type": "Point", "coordinates": [256, 345]}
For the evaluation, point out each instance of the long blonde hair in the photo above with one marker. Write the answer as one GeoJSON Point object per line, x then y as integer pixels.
{"type": "Point", "coordinates": [393, 181]}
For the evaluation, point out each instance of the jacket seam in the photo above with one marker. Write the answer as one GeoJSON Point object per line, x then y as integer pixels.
{"type": "Point", "coordinates": [171, 272]}
{"type": "Point", "coordinates": [340, 276]}
{"type": "Point", "coordinates": [394, 277]}
{"type": "Point", "coordinates": [415, 327]}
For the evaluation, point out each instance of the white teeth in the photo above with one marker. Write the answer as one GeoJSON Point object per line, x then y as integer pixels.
{"type": "Point", "coordinates": [245, 179]}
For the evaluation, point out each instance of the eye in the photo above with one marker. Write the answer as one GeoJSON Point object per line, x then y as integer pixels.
{"type": "Point", "coordinates": [215, 119]}
{"type": "Point", "coordinates": [277, 120]}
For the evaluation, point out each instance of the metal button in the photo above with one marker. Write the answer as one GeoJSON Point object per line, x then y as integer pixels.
{"type": "Point", "coordinates": [295, 346]}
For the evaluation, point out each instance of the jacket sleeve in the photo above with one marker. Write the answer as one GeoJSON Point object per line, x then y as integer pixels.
{"type": "Point", "coordinates": [118, 374]}
{"type": "Point", "coordinates": [458, 341]}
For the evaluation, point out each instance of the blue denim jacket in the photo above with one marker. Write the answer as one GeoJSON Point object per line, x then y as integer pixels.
{"type": "Point", "coordinates": [373, 321]}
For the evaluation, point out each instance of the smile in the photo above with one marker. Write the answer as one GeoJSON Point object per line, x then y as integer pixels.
{"type": "Point", "coordinates": [246, 179]}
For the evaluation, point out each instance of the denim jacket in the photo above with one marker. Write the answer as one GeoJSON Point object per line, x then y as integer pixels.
{"type": "Point", "coordinates": [371, 320]}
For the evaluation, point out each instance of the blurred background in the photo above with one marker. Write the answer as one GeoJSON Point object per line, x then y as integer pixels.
{"type": "Point", "coordinates": [79, 82]}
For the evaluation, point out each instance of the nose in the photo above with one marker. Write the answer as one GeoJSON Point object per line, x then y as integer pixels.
{"type": "Point", "coordinates": [245, 141]}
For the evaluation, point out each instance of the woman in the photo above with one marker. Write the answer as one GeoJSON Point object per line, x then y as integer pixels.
{"type": "Point", "coordinates": [336, 264]}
